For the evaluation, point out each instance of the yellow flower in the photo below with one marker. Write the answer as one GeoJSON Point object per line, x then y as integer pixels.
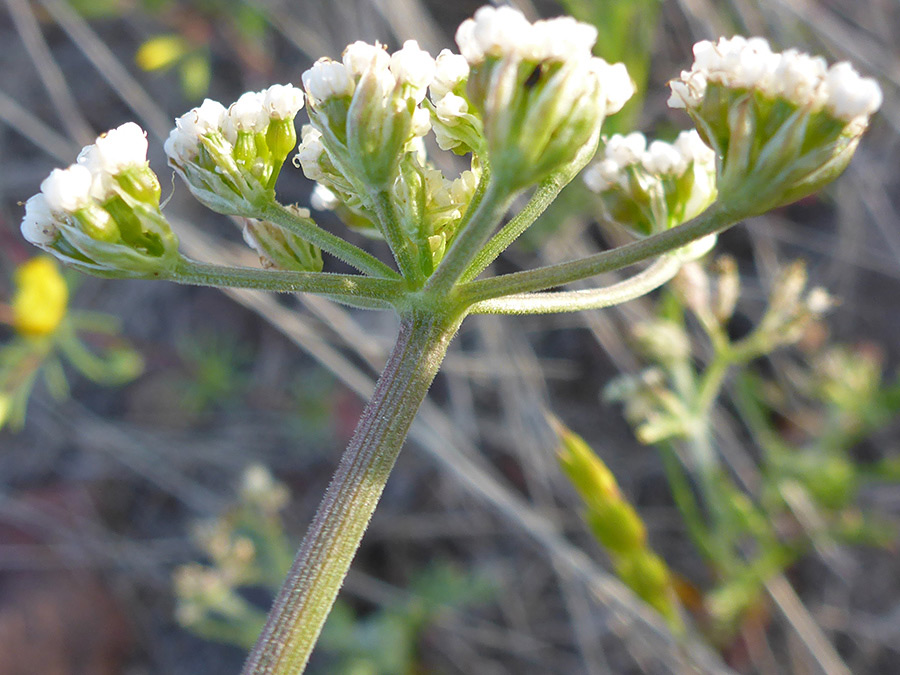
{"type": "Point", "coordinates": [39, 304]}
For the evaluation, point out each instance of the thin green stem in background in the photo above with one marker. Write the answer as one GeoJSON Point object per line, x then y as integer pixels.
{"type": "Point", "coordinates": [306, 229]}
{"type": "Point", "coordinates": [327, 550]}
{"type": "Point", "coordinates": [351, 289]}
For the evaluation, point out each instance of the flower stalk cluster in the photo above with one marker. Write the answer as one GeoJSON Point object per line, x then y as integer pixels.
{"type": "Point", "coordinates": [782, 124]}
{"type": "Point", "coordinates": [655, 188]}
{"type": "Point", "coordinates": [102, 214]}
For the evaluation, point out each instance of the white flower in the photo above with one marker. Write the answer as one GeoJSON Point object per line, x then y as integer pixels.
{"type": "Point", "coordinates": [603, 175]}
{"type": "Point", "coordinates": [116, 150]}
{"type": "Point", "coordinates": [180, 146]}
{"type": "Point", "coordinates": [309, 152]}
{"type": "Point", "coordinates": [560, 39]}
{"type": "Point", "coordinates": [283, 101]}
{"type": "Point", "coordinates": [68, 190]}
{"type": "Point", "coordinates": [416, 146]}
{"type": "Point", "coordinates": [493, 32]}
{"type": "Point", "coordinates": [615, 82]}
{"type": "Point", "coordinates": [202, 120]}
{"type": "Point", "coordinates": [451, 107]}
{"type": "Point", "coordinates": [450, 70]}
{"type": "Point", "coordinates": [421, 122]}
{"type": "Point", "coordinates": [414, 67]}
{"type": "Point", "coordinates": [183, 141]}
{"type": "Point", "coordinates": [693, 149]}
{"type": "Point", "coordinates": [249, 113]}
{"type": "Point", "coordinates": [327, 79]}
{"type": "Point", "coordinates": [799, 78]}
{"type": "Point", "coordinates": [37, 225]}
{"type": "Point", "coordinates": [625, 150]}
{"type": "Point", "coordinates": [663, 158]}
{"type": "Point", "coordinates": [849, 95]}
{"type": "Point", "coordinates": [359, 56]}
{"type": "Point", "coordinates": [323, 199]}
{"type": "Point", "coordinates": [505, 32]}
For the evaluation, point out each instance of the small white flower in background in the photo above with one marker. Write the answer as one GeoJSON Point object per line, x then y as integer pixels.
{"type": "Point", "coordinates": [625, 150]}
{"type": "Point", "coordinates": [421, 122]}
{"type": "Point", "coordinates": [664, 158]}
{"type": "Point", "coordinates": [657, 186]}
{"type": "Point", "coordinates": [493, 32]}
{"type": "Point", "coordinates": [851, 96]}
{"type": "Point", "coordinates": [116, 150]}
{"type": "Point", "coordinates": [450, 108]}
{"type": "Point", "coordinates": [450, 70]}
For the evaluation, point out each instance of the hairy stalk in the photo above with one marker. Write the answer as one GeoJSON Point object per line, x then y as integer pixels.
{"type": "Point", "coordinates": [711, 221]}
{"type": "Point", "coordinates": [354, 290]}
{"type": "Point", "coordinates": [543, 196]}
{"type": "Point", "coordinates": [401, 246]}
{"type": "Point", "coordinates": [327, 550]}
{"type": "Point", "coordinates": [640, 284]}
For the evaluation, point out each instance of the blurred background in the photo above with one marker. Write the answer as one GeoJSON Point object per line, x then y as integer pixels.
{"type": "Point", "coordinates": [129, 493]}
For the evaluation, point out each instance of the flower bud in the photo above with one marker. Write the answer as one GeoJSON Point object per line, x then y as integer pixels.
{"type": "Point", "coordinates": [782, 125]}
{"type": "Point", "coordinates": [282, 249]}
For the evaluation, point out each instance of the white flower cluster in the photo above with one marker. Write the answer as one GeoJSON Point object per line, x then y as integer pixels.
{"type": "Point", "coordinates": [799, 78]}
{"type": "Point", "coordinates": [409, 70]}
{"type": "Point", "coordinates": [660, 158]}
{"type": "Point", "coordinates": [503, 31]}
{"type": "Point", "coordinates": [251, 113]}
{"type": "Point", "coordinates": [90, 180]}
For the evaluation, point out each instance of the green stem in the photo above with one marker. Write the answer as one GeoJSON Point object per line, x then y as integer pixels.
{"type": "Point", "coordinates": [351, 289]}
{"type": "Point", "coordinates": [324, 557]}
{"type": "Point", "coordinates": [546, 192]}
{"type": "Point", "coordinates": [710, 222]}
{"type": "Point", "coordinates": [306, 229]}
{"type": "Point", "coordinates": [640, 284]}
{"type": "Point", "coordinates": [393, 233]}
{"type": "Point", "coordinates": [470, 240]}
